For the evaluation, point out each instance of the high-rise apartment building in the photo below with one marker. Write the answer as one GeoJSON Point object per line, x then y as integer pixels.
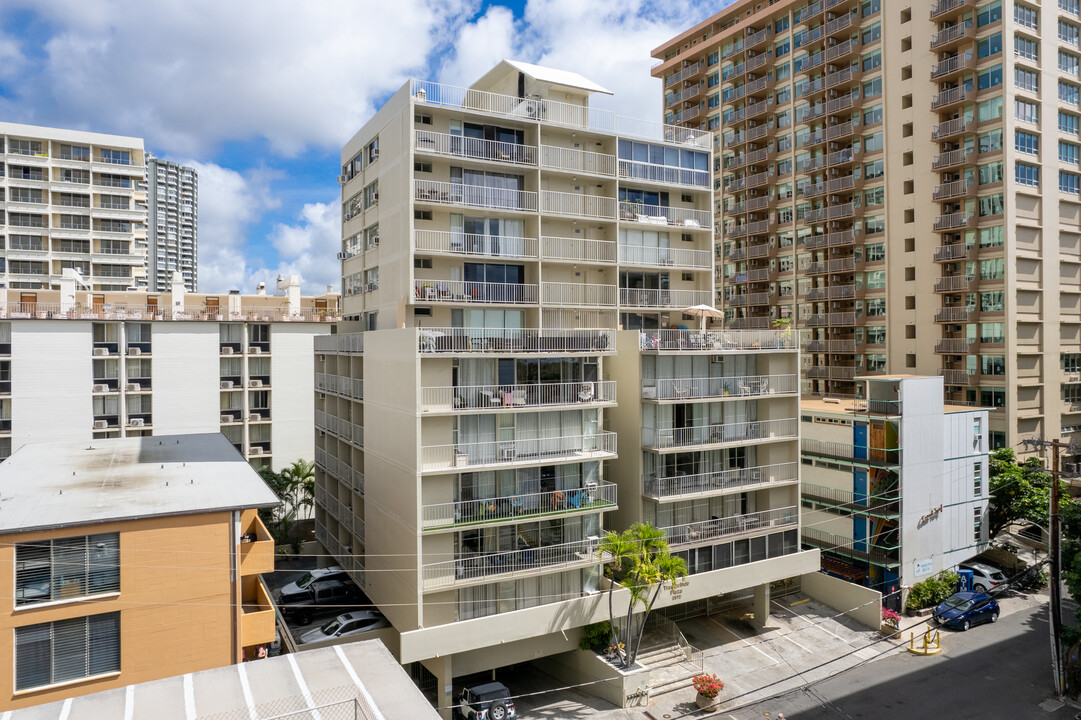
{"type": "Point", "coordinates": [901, 181]}
{"type": "Point", "coordinates": [494, 240]}
{"type": "Point", "coordinates": [173, 229]}
{"type": "Point", "coordinates": [71, 199]}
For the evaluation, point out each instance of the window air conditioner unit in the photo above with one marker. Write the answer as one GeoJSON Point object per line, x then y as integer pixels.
{"type": "Point", "coordinates": [255, 450]}
{"type": "Point", "coordinates": [135, 351]}
{"type": "Point", "coordinates": [101, 388]}
{"type": "Point", "coordinates": [226, 418]}
{"type": "Point", "coordinates": [227, 350]}
{"type": "Point", "coordinates": [342, 179]}
{"type": "Point", "coordinates": [101, 424]}
{"type": "Point", "coordinates": [101, 351]}
{"type": "Point", "coordinates": [226, 384]}
{"type": "Point", "coordinates": [136, 422]}
{"type": "Point", "coordinates": [255, 417]}
{"type": "Point", "coordinates": [134, 387]}
{"type": "Point", "coordinates": [255, 383]}
{"type": "Point", "coordinates": [255, 350]}
{"type": "Point", "coordinates": [341, 256]}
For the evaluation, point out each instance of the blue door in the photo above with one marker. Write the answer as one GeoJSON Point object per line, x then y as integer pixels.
{"type": "Point", "coordinates": [859, 441]}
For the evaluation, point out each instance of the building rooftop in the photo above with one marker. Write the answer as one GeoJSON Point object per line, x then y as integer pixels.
{"type": "Point", "coordinates": [562, 78]}
{"type": "Point", "coordinates": [858, 406]}
{"type": "Point", "coordinates": [356, 680]}
{"type": "Point", "coordinates": [62, 484]}
{"type": "Point", "coordinates": [93, 138]}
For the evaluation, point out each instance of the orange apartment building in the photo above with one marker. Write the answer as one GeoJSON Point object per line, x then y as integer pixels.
{"type": "Point", "coordinates": [128, 560]}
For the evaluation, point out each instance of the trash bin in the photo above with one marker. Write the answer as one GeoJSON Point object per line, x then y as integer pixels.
{"type": "Point", "coordinates": [966, 581]}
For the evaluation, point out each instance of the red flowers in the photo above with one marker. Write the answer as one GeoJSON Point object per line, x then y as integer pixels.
{"type": "Point", "coordinates": [708, 685]}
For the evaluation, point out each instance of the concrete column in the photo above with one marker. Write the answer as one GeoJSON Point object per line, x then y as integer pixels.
{"type": "Point", "coordinates": [444, 684]}
{"type": "Point", "coordinates": [761, 604]}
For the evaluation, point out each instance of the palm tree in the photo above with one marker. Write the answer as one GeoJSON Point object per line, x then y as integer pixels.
{"type": "Point", "coordinates": [619, 549]}
{"type": "Point", "coordinates": [301, 478]}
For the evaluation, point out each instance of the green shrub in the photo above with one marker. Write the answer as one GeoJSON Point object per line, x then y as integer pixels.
{"type": "Point", "coordinates": [933, 590]}
{"type": "Point", "coordinates": [596, 637]}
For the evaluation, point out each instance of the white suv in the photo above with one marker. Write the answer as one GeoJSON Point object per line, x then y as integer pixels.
{"type": "Point", "coordinates": [985, 578]}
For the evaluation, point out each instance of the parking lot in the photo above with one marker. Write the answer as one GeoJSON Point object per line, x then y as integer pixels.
{"type": "Point", "coordinates": [289, 572]}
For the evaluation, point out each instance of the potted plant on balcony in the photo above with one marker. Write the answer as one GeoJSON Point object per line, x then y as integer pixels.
{"type": "Point", "coordinates": [785, 327]}
{"type": "Point", "coordinates": [708, 687]}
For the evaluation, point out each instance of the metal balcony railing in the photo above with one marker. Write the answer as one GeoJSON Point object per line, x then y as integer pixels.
{"type": "Point", "coordinates": [514, 340]}
{"type": "Point", "coordinates": [437, 143]}
{"type": "Point", "coordinates": [709, 530]}
{"type": "Point", "coordinates": [478, 566]}
{"type": "Point", "coordinates": [578, 294]}
{"type": "Point", "coordinates": [575, 160]}
{"type": "Point", "coordinates": [662, 215]}
{"type": "Point", "coordinates": [643, 297]}
{"type": "Point", "coordinates": [720, 481]}
{"type": "Point", "coordinates": [718, 340]}
{"type": "Point", "coordinates": [665, 256]}
{"type": "Point", "coordinates": [464, 291]}
{"type": "Point", "coordinates": [875, 457]}
{"type": "Point", "coordinates": [578, 204]}
{"type": "Point", "coordinates": [464, 398]}
{"type": "Point", "coordinates": [739, 386]}
{"type": "Point", "coordinates": [662, 438]}
{"type": "Point", "coordinates": [496, 453]}
{"type": "Point", "coordinates": [578, 250]}
{"type": "Point", "coordinates": [459, 243]}
{"type": "Point", "coordinates": [596, 498]}
{"type": "Point", "coordinates": [445, 193]}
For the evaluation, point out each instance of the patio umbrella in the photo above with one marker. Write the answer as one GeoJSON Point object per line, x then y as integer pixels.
{"type": "Point", "coordinates": [702, 312]}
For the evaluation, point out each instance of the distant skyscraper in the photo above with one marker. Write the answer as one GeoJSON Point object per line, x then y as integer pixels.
{"type": "Point", "coordinates": [173, 222]}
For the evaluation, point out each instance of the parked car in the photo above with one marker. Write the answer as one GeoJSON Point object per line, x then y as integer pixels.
{"type": "Point", "coordinates": [490, 701]}
{"type": "Point", "coordinates": [322, 597]}
{"type": "Point", "coordinates": [964, 609]}
{"type": "Point", "coordinates": [345, 625]}
{"type": "Point", "coordinates": [300, 585]}
{"type": "Point", "coordinates": [984, 577]}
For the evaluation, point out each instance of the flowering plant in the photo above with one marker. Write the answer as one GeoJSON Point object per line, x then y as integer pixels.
{"type": "Point", "coordinates": [890, 617]}
{"type": "Point", "coordinates": [708, 685]}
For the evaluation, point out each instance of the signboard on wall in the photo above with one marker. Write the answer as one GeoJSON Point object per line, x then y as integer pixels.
{"type": "Point", "coordinates": [923, 567]}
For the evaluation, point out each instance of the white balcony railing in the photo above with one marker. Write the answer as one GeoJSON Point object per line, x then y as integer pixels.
{"type": "Point", "coordinates": [597, 498]}
{"type": "Point", "coordinates": [676, 257]}
{"type": "Point", "coordinates": [578, 250]}
{"type": "Point", "coordinates": [464, 291]}
{"type": "Point", "coordinates": [459, 243]}
{"type": "Point", "coordinates": [707, 530]}
{"type": "Point", "coordinates": [659, 215]}
{"type": "Point", "coordinates": [352, 343]}
{"type": "Point", "coordinates": [574, 160]}
{"type": "Point", "coordinates": [554, 113]}
{"type": "Point", "coordinates": [474, 148]}
{"type": "Point", "coordinates": [485, 398]}
{"type": "Point", "coordinates": [718, 340]}
{"type": "Point", "coordinates": [556, 341]}
{"type": "Point", "coordinates": [642, 297]}
{"type": "Point", "coordinates": [662, 438]}
{"type": "Point", "coordinates": [664, 174]}
{"type": "Point", "coordinates": [739, 386]}
{"type": "Point", "coordinates": [720, 481]}
{"type": "Point", "coordinates": [445, 193]}
{"type": "Point", "coordinates": [578, 294]}
{"type": "Point", "coordinates": [481, 566]}
{"type": "Point", "coordinates": [494, 453]}
{"type": "Point", "coordinates": [578, 204]}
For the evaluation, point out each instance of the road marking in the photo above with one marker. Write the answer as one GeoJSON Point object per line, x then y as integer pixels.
{"type": "Point", "coordinates": [819, 626]}
{"type": "Point", "coordinates": [370, 703]}
{"type": "Point", "coordinates": [304, 691]}
{"type": "Point", "coordinates": [189, 698]}
{"type": "Point", "coordinates": [245, 688]}
{"type": "Point", "coordinates": [747, 643]}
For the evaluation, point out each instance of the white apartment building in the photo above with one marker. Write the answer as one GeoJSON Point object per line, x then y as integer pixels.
{"type": "Point", "coordinates": [173, 230]}
{"type": "Point", "coordinates": [895, 486]}
{"type": "Point", "coordinates": [83, 365]}
{"type": "Point", "coordinates": [72, 200]}
{"type": "Point", "coordinates": [494, 239]}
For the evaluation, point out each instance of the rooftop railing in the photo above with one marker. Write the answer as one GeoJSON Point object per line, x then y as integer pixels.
{"type": "Point", "coordinates": [110, 311]}
{"type": "Point", "coordinates": [344, 343]}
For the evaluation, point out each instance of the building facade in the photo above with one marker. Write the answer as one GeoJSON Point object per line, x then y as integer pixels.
{"type": "Point", "coordinates": [494, 238]}
{"type": "Point", "coordinates": [72, 200]}
{"type": "Point", "coordinates": [880, 185]}
{"type": "Point", "coordinates": [129, 560]}
{"type": "Point", "coordinates": [91, 365]}
{"type": "Point", "coordinates": [173, 229]}
{"type": "Point", "coordinates": [895, 486]}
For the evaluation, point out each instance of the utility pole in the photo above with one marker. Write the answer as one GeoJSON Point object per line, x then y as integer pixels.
{"type": "Point", "coordinates": [1055, 555]}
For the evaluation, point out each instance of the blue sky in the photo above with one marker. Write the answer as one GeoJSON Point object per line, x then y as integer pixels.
{"type": "Point", "coordinates": [260, 95]}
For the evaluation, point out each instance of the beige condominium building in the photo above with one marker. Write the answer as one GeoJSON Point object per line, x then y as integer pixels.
{"type": "Point", "coordinates": [494, 240]}
{"type": "Point", "coordinates": [72, 199]}
{"type": "Point", "coordinates": [901, 179]}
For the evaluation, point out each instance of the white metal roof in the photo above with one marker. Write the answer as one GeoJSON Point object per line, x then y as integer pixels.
{"type": "Point", "coordinates": [564, 78]}
{"type": "Point", "coordinates": [60, 484]}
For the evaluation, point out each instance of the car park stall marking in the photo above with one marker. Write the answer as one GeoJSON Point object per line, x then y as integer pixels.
{"type": "Point", "coordinates": [372, 709]}
{"type": "Point", "coordinates": [303, 687]}
{"type": "Point", "coordinates": [189, 698]}
{"type": "Point", "coordinates": [745, 642]}
{"type": "Point", "coordinates": [129, 703]}
{"type": "Point", "coordinates": [245, 688]}
{"type": "Point", "coordinates": [820, 626]}
{"type": "Point", "coordinates": [65, 710]}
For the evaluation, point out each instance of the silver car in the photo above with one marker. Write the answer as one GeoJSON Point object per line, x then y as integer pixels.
{"type": "Point", "coordinates": [351, 623]}
{"type": "Point", "coordinates": [985, 579]}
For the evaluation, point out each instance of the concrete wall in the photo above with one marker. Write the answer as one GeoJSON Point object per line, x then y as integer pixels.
{"type": "Point", "coordinates": [292, 412]}
{"type": "Point", "coordinates": [51, 379]}
{"type": "Point", "coordinates": [582, 666]}
{"type": "Point", "coordinates": [186, 377]}
{"type": "Point", "coordinates": [859, 603]}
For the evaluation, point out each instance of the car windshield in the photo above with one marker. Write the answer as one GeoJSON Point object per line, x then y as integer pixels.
{"type": "Point", "coordinates": [305, 580]}
{"type": "Point", "coordinates": [959, 603]}
{"type": "Point", "coordinates": [331, 627]}
{"type": "Point", "coordinates": [997, 576]}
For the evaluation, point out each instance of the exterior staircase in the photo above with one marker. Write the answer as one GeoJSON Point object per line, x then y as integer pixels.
{"type": "Point", "coordinates": [670, 659]}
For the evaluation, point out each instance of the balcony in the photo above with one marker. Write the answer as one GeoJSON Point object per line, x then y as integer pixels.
{"type": "Point", "coordinates": [744, 299]}
{"type": "Point", "coordinates": [953, 346]}
{"type": "Point", "coordinates": [257, 613]}
{"type": "Point", "coordinates": [946, 253]}
{"type": "Point", "coordinates": [943, 7]}
{"type": "Point", "coordinates": [577, 161]}
{"type": "Point", "coordinates": [665, 257]}
{"type": "Point", "coordinates": [486, 398]}
{"type": "Point", "coordinates": [721, 481]}
{"type": "Point", "coordinates": [345, 343]}
{"type": "Point", "coordinates": [859, 455]}
{"type": "Point", "coordinates": [950, 159]}
{"type": "Point", "coordinates": [458, 243]}
{"type": "Point", "coordinates": [664, 174]}
{"type": "Point", "coordinates": [949, 128]}
{"type": "Point", "coordinates": [482, 567]}
{"type": "Point", "coordinates": [578, 295]}
{"type": "Point", "coordinates": [340, 427]}
{"type": "Point", "coordinates": [466, 292]}
{"type": "Point", "coordinates": [705, 531]}
{"type": "Point", "coordinates": [953, 34]}
{"type": "Point", "coordinates": [256, 548]}
{"type": "Point", "coordinates": [658, 215]}
{"type": "Point", "coordinates": [944, 223]}
{"type": "Point", "coordinates": [515, 508]}
{"type": "Point", "coordinates": [736, 387]}
{"type": "Point", "coordinates": [849, 547]}
{"type": "Point", "coordinates": [445, 193]}
{"type": "Point", "coordinates": [555, 341]}
{"type": "Point", "coordinates": [957, 188]}
{"type": "Point", "coordinates": [469, 456]}
{"type": "Point", "coordinates": [340, 385]}
{"type": "Point", "coordinates": [953, 283]}
{"type": "Point", "coordinates": [958, 377]}
{"type": "Point", "coordinates": [647, 298]}
{"type": "Point", "coordinates": [721, 434]}
{"type": "Point", "coordinates": [950, 97]}
{"type": "Point", "coordinates": [714, 341]}
{"type": "Point", "coordinates": [578, 250]}
{"type": "Point", "coordinates": [949, 66]}
{"type": "Point", "coordinates": [952, 315]}
{"type": "Point", "coordinates": [578, 205]}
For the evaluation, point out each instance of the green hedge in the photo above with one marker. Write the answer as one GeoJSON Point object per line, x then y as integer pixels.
{"type": "Point", "coordinates": [933, 590]}
{"type": "Point", "coordinates": [596, 637]}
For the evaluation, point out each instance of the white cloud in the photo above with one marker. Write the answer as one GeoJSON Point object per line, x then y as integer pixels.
{"type": "Point", "coordinates": [310, 248]}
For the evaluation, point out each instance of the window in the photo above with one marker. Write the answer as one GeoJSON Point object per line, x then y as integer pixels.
{"type": "Point", "coordinates": [991, 205]}
{"type": "Point", "coordinates": [992, 301]}
{"type": "Point", "coordinates": [874, 169]}
{"type": "Point", "coordinates": [64, 568]}
{"type": "Point", "coordinates": [66, 650]}
{"type": "Point", "coordinates": [422, 119]}
{"type": "Point", "coordinates": [1068, 152]}
{"type": "Point", "coordinates": [422, 214]}
{"type": "Point", "coordinates": [1027, 174]}
{"type": "Point", "coordinates": [992, 364]}
{"type": "Point", "coordinates": [989, 109]}
{"type": "Point", "coordinates": [992, 332]}
{"type": "Point", "coordinates": [989, 13]}
{"type": "Point", "coordinates": [1070, 6]}
{"type": "Point", "coordinates": [1026, 16]}
{"type": "Point", "coordinates": [977, 524]}
{"type": "Point", "coordinates": [1071, 362]}
{"type": "Point", "coordinates": [1069, 182]}
{"type": "Point", "coordinates": [1026, 111]}
{"type": "Point", "coordinates": [872, 34]}
{"type": "Point", "coordinates": [989, 78]}
{"type": "Point", "coordinates": [992, 237]}
{"type": "Point", "coordinates": [371, 194]}
{"type": "Point", "coordinates": [1068, 62]}
{"type": "Point", "coordinates": [1068, 122]}
{"type": "Point", "coordinates": [1069, 33]}
{"type": "Point", "coordinates": [1026, 142]}
{"type": "Point", "coordinates": [781, 25]}
{"type": "Point", "coordinates": [1022, 47]}
{"type": "Point", "coordinates": [1025, 79]}
{"type": "Point", "coordinates": [993, 269]}
{"type": "Point", "coordinates": [990, 173]}
{"type": "Point", "coordinates": [872, 61]}
{"type": "Point", "coordinates": [422, 167]}
{"type": "Point", "coordinates": [873, 226]}
{"type": "Point", "coordinates": [1068, 92]}
{"type": "Point", "coordinates": [990, 45]}
{"type": "Point", "coordinates": [870, 7]}
{"type": "Point", "coordinates": [872, 115]}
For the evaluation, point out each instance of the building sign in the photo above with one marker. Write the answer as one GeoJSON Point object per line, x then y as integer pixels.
{"type": "Point", "coordinates": [677, 588]}
{"type": "Point", "coordinates": [924, 567]}
{"type": "Point", "coordinates": [929, 516]}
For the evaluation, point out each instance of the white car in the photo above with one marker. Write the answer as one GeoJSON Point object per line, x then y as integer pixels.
{"type": "Point", "coordinates": [350, 623]}
{"type": "Point", "coordinates": [301, 584]}
{"type": "Point", "coordinates": [985, 578]}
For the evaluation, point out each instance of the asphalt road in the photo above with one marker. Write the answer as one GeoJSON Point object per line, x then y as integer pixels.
{"type": "Point", "coordinates": [991, 671]}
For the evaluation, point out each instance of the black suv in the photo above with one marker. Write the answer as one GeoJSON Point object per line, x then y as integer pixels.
{"type": "Point", "coordinates": [322, 597]}
{"type": "Point", "coordinates": [490, 701]}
